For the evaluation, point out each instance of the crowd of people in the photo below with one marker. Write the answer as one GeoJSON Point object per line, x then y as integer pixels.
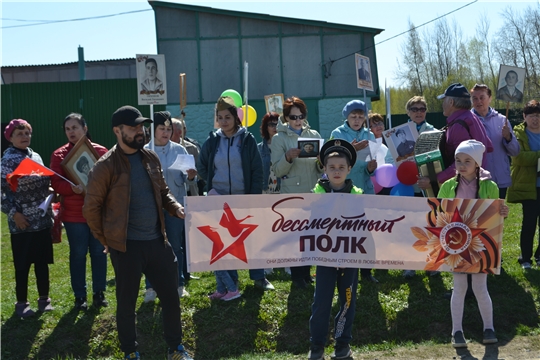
{"type": "Point", "coordinates": [144, 230]}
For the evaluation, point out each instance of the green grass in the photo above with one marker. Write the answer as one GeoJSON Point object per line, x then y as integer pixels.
{"type": "Point", "coordinates": [394, 316]}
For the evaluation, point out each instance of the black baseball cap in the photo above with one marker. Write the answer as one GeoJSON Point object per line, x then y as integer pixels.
{"type": "Point", "coordinates": [455, 90]}
{"type": "Point", "coordinates": [128, 115]}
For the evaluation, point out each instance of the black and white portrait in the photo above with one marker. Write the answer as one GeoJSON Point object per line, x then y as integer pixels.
{"type": "Point", "coordinates": [363, 72]}
{"type": "Point", "coordinates": [82, 167]}
{"type": "Point", "coordinates": [151, 79]}
{"type": "Point", "coordinates": [274, 103]}
{"type": "Point", "coordinates": [511, 84]}
{"type": "Point", "coordinates": [151, 82]}
{"type": "Point", "coordinates": [401, 141]}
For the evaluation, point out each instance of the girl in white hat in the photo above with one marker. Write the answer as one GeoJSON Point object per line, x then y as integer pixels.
{"type": "Point", "coordinates": [471, 182]}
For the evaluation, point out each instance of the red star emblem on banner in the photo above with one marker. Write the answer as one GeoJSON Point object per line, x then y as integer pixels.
{"type": "Point", "coordinates": [235, 229]}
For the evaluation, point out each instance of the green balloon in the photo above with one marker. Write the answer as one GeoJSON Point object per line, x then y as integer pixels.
{"type": "Point", "coordinates": [237, 98]}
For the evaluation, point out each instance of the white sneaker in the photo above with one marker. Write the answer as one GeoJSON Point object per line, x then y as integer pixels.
{"type": "Point", "coordinates": [150, 295]}
{"type": "Point", "coordinates": [182, 291]}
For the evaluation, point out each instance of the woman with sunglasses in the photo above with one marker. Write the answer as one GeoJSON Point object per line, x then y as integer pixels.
{"type": "Point", "coordinates": [297, 174]}
{"type": "Point", "coordinates": [271, 182]}
{"type": "Point", "coordinates": [416, 110]}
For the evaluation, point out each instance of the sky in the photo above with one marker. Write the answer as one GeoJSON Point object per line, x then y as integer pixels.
{"type": "Point", "coordinates": [123, 36]}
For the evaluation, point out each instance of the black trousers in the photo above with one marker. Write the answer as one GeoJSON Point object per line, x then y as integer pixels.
{"type": "Point", "coordinates": [156, 260]}
{"type": "Point", "coordinates": [32, 248]}
{"type": "Point", "coordinates": [531, 221]}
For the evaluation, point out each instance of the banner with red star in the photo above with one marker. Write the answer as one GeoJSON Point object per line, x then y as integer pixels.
{"type": "Point", "coordinates": [343, 230]}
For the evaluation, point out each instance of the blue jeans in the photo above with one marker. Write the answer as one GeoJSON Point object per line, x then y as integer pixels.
{"type": "Point", "coordinates": [328, 278]}
{"type": "Point", "coordinates": [174, 228]}
{"type": "Point", "coordinates": [81, 242]}
{"type": "Point", "coordinates": [225, 280]}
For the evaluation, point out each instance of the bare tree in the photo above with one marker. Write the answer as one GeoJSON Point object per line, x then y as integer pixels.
{"type": "Point", "coordinates": [413, 61]}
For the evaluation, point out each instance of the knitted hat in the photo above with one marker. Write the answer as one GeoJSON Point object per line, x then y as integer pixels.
{"type": "Point", "coordinates": [473, 148]}
{"type": "Point", "coordinates": [353, 105]}
{"type": "Point", "coordinates": [12, 125]}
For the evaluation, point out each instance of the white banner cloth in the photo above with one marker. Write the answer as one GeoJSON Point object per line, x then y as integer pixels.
{"type": "Point", "coordinates": [343, 230]}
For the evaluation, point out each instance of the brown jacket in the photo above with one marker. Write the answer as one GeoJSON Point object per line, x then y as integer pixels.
{"type": "Point", "coordinates": [106, 205]}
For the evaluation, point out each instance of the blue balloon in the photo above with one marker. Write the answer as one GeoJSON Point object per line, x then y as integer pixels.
{"type": "Point", "coordinates": [402, 190]}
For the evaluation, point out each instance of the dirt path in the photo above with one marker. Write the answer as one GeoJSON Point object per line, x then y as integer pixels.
{"type": "Point", "coordinates": [520, 348]}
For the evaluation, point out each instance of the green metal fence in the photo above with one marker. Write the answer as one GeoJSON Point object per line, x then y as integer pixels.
{"type": "Point", "coordinates": [45, 105]}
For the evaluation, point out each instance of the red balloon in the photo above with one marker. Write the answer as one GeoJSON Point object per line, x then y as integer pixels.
{"type": "Point", "coordinates": [407, 173]}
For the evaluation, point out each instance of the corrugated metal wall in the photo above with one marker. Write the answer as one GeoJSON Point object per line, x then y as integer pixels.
{"type": "Point", "coordinates": [284, 55]}
{"type": "Point", "coordinates": [45, 105]}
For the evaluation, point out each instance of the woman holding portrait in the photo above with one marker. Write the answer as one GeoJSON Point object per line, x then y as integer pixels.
{"type": "Point", "coordinates": [80, 239]}
{"type": "Point", "coordinates": [31, 241]}
{"type": "Point", "coordinates": [298, 175]}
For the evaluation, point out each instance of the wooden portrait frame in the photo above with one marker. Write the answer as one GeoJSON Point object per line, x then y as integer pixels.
{"type": "Point", "coordinates": [270, 101]}
{"type": "Point", "coordinates": [82, 149]}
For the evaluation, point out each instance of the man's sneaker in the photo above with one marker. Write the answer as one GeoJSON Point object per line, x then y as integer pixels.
{"type": "Point", "coordinates": [407, 274]}
{"type": "Point", "coordinates": [216, 295]}
{"type": "Point", "coordinates": [150, 295]}
{"type": "Point", "coordinates": [99, 300]}
{"type": "Point", "coordinates": [134, 355]}
{"type": "Point", "coordinates": [489, 337]}
{"type": "Point", "coordinates": [179, 354]}
{"type": "Point", "coordinates": [231, 295]}
{"type": "Point", "coordinates": [316, 353]}
{"type": "Point", "coordinates": [264, 284]}
{"type": "Point", "coordinates": [342, 351]}
{"type": "Point", "coordinates": [458, 340]}
{"type": "Point", "coordinates": [22, 309]}
{"type": "Point", "coordinates": [182, 291]}
{"type": "Point", "coordinates": [81, 304]}
{"type": "Point", "coordinates": [45, 305]}
{"type": "Point", "coordinates": [526, 265]}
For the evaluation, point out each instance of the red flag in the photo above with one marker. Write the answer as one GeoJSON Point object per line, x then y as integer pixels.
{"type": "Point", "coordinates": [27, 167]}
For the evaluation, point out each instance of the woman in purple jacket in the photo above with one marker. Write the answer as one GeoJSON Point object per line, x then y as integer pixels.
{"type": "Point", "coordinates": [500, 132]}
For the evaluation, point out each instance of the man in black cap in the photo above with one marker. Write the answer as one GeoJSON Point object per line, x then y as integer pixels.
{"type": "Point", "coordinates": [123, 207]}
{"type": "Point", "coordinates": [462, 125]}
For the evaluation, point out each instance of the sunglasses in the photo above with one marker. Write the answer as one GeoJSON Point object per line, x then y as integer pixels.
{"type": "Point", "coordinates": [297, 117]}
{"type": "Point", "coordinates": [272, 124]}
{"type": "Point", "coordinates": [415, 109]}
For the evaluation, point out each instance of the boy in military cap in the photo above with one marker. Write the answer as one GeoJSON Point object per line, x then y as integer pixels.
{"type": "Point", "coordinates": [338, 157]}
